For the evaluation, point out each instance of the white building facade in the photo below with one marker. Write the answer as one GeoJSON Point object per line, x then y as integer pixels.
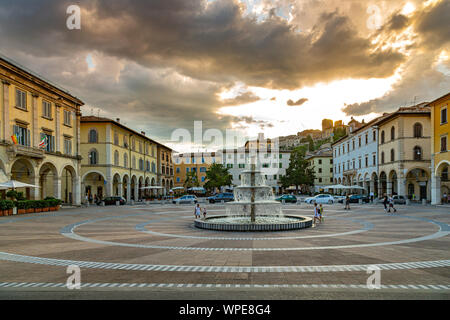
{"type": "Point", "coordinates": [272, 164]}
{"type": "Point", "coordinates": [355, 158]}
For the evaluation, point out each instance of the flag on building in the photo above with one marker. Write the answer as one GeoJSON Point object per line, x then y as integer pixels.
{"type": "Point", "coordinates": [43, 143]}
{"type": "Point", "coordinates": [14, 139]}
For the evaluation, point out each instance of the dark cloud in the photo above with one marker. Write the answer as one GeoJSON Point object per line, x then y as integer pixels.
{"type": "Point", "coordinates": [299, 102]}
{"type": "Point", "coordinates": [213, 41]}
{"type": "Point", "coordinates": [243, 98]}
{"type": "Point", "coordinates": [398, 22]}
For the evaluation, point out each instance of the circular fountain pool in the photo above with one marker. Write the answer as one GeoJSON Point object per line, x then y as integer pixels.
{"type": "Point", "coordinates": [261, 223]}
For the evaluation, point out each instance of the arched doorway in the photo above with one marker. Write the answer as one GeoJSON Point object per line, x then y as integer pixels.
{"type": "Point", "coordinates": [140, 191]}
{"type": "Point", "coordinates": [94, 185]}
{"type": "Point", "coordinates": [68, 185]}
{"type": "Point", "coordinates": [418, 177]}
{"type": "Point", "coordinates": [116, 188]}
{"type": "Point", "coordinates": [49, 181]}
{"type": "Point", "coordinates": [125, 191]}
{"type": "Point", "coordinates": [383, 184]}
{"type": "Point", "coordinates": [22, 170]}
{"type": "Point", "coordinates": [393, 183]}
{"type": "Point", "coordinates": [133, 188]}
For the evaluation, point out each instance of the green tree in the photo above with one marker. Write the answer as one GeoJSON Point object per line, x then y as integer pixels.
{"type": "Point", "coordinates": [338, 133]}
{"type": "Point", "coordinates": [217, 176]}
{"type": "Point", "coordinates": [299, 172]}
{"type": "Point", "coordinates": [191, 180]}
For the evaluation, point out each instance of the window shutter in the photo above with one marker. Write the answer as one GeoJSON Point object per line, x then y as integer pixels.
{"type": "Point", "coordinates": [28, 138]}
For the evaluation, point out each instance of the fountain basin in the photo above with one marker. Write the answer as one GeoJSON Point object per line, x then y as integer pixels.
{"type": "Point", "coordinates": [262, 223]}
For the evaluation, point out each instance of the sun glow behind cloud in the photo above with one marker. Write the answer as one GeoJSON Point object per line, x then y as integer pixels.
{"type": "Point", "coordinates": [325, 100]}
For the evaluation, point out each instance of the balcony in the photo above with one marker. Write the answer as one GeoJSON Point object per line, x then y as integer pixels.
{"type": "Point", "coordinates": [20, 150]}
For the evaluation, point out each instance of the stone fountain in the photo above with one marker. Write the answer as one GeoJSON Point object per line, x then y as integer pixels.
{"type": "Point", "coordinates": [254, 209]}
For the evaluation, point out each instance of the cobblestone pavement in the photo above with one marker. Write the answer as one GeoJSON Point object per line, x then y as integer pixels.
{"type": "Point", "coordinates": [156, 252]}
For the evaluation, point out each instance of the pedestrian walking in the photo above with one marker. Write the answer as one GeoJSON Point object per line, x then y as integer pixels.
{"type": "Point", "coordinates": [347, 203]}
{"type": "Point", "coordinates": [197, 211]}
{"type": "Point", "coordinates": [385, 203]}
{"type": "Point", "coordinates": [445, 197]}
{"type": "Point", "coordinates": [316, 213]}
{"type": "Point", "coordinates": [204, 213]}
{"type": "Point", "coordinates": [391, 204]}
{"type": "Point", "coordinates": [321, 213]}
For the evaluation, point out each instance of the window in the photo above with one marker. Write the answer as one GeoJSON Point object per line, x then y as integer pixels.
{"type": "Point", "coordinates": [367, 138]}
{"type": "Point", "coordinates": [331, 161]}
{"type": "Point", "coordinates": [320, 170]}
{"type": "Point", "coordinates": [241, 165]}
{"type": "Point", "coordinates": [230, 166]}
{"type": "Point", "coordinates": [141, 164]}
{"type": "Point", "coordinates": [125, 141]}
{"type": "Point", "coordinates": [68, 146]}
{"type": "Point", "coordinates": [178, 170]}
{"type": "Point", "coordinates": [444, 115]}
{"type": "Point", "coordinates": [367, 161]}
{"type": "Point", "coordinates": [417, 153]}
{"type": "Point", "coordinates": [382, 158]}
{"type": "Point", "coordinates": [320, 179]}
{"type": "Point", "coordinates": [280, 165]}
{"type": "Point", "coordinates": [125, 160]}
{"type": "Point", "coordinates": [49, 142]}
{"type": "Point", "coordinates": [417, 130]}
{"type": "Point", "coordinates": [93, 157]}
{"type": "Point", "coordinates": [140, 147]}
{"type": "Point", "coordinates": [374, 135]}
{"type": "Point", "coordinates": [178, 179]}
{"type": "Point", "coordinates": [382, 136]}
{"type": "Point", "coordinates": [392, 155]}
{"type": "Point", "coordinates": [116, 138]}
{"type": "Point", "coordinates": [21, 99]}
{"type": "Point", "coordinates": [203, 179]}
{"type": "Point", "coordinates": [147, 166]}
{"type": "Point", "coordinates": [320, 161]}
{"type": "Point", "coordinates": [46, 109]}
{"type": "Point", "coordinates": [153, 167]}
{"type": "Point", "coordinates": [133, 144]}
{"type": "Point", "coordinates": [443, 143]}
{"type": "Point", "coordinates": [133, 162]}
{"type": "Point", "coordinates": [359, 141]}
{"type": "Point", "coordinates": [202, 169]}
{"type": "Point", "coordinates": [359, 162]}
{"type": "Point", "coordinates": [392, 133]}
{"type": "Point", "coordinates": [23, 135]}
{"type": "Point", "coordinates": [67, 115]}
{"type": "Point", "coordinates": [93, 136]}
{"type": "Point", "coordinates": [374, 160]}
{"type": "Point", "coordinates": [116, 158]}
{"type": "Point", "coordinates": [331, 170]}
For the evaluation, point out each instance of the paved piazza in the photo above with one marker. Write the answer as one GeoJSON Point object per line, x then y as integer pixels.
{"type": "Point", "coordinates": [155, 252]}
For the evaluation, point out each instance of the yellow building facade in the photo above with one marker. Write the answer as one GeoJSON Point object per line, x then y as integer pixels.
{"type": "Point", "coordinates": [34, 110]}
{"type": "Point", "coordinates": [198, 162]}
{"type": "Point", "coordinates": [404, 153]}
{"type": "Point", "coordinates": [322, 162]}
{"type": "Point", "coordinates": [440, 155]}
{"type": "Point", "coordinates": [117, 161]}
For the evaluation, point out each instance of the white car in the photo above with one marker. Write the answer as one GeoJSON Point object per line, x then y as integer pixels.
{"type": "Point", "coordinates": [185, 199]}
{"type": "Point", "coordinates": [320, 198]}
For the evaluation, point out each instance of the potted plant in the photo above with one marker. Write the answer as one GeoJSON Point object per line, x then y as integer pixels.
{"type": "Point", "coordinates": [21, 206]}
{"type": "Point", "coordinates": [30, 206]}
{"type": "Point", "coordinates": [37, 206]}
{"type": "Point", "coordinates": [44, 205]}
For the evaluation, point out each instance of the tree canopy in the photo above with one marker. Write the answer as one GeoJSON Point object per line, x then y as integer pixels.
{"type": "Point", "coordinates": [217, 176]}
{"type": "Point", "coordinates": [299, 172]}
{"type": "Point", "coordinates": [191, 180]}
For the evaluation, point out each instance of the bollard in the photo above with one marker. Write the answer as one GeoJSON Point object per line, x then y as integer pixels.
{"type": "Point", "coordinates": [14, 210]}
{"type": "Point", "coordinates": [102, 203]}
{"type": "Point", "coordinates": [117, 203]}
{"type": "Point", "coordinates": [408, 202]}
{"type": "Point", "coordinates": [424, 202]}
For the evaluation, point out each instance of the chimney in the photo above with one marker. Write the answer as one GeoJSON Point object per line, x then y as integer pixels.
{"type": "Point", "coordinates": [118, 120]}
{"type": "Point", "coordinates": [143, 133]}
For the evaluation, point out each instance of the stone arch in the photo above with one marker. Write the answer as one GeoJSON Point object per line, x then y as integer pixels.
{"type": "Point", "coordinates": [116, 185]}
{"type": "Point", "coordinates": [22, 170]}
{"type": "Point", "coordinates": [68, 184]}
{"type": "Point", "coordinates": [140, 186]}
{"type": "Point", "coordinates": [383, 183]}
{"type": "Point", "coordinates": [125, 187]}
{"type": "Point", "coordinates": [393, 182]}
{"type": "Point", "coordinates": [134, 188]}
{"type": "Point", "coordinates": [417, 182]}
{"type": "Point", "coordinates": [49, 181]}
{"type": "Point", "coordinates": [94, 184]}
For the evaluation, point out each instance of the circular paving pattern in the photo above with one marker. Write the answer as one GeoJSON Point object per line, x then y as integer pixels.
{"type": "Point", "coordinates": [160, 244]}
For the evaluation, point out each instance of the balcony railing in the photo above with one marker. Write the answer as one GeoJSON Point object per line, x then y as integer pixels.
{"type": "Point", "coordinates": [19, 150]}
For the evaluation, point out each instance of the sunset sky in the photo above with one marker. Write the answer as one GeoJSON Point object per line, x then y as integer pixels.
{"type": "Point", "coordinates": [276, 67]}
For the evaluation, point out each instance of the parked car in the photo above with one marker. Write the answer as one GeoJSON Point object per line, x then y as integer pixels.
{"type": "Point", "coordinates": [225, 197]}
{"type": "Point", "coordinates": [112, 201]}
{"type": "Point", "coordinates": [399, 199]}
{"type": "Point", "coordinates": [320, 198]}
{"type": "Point", "coordinates": [287, 198]}
{"type": "Point", "coordinates": [354, 198]}
{"type": "Point", "coordinates": [185, 199]}
{"type": "Point", "coordinates": [338, 198]}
